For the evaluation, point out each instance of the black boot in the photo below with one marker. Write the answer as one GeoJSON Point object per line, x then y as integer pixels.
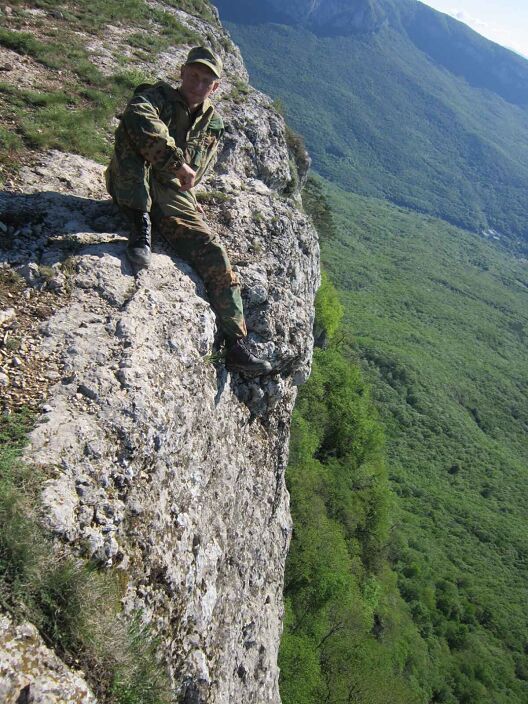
{"type": "Point", "coordinates": [240, 358]}
{"type": "Point", "coordinates": [139, 238]}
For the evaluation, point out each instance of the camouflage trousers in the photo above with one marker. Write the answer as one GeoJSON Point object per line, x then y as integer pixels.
{"type": "Point", "coordinates": [198, 246]}
{"type": "Point", "coordinates": [175, 216]}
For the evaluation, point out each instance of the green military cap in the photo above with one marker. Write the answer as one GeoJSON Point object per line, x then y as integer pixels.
{"type": "Point", "coordinates": [203, 55]}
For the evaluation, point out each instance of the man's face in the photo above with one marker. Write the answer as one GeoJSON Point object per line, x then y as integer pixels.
{"type": "Point", "coordinates": [198, 83]}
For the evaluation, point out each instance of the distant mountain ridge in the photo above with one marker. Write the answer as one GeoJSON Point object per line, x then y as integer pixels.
{"type": "Point", "coordinates": [335, 15]}
{"type": "Point", "coordinates": [322, 16]}
{"type": "Point", "coordinates": [465, 53]}
{"type": "Point", "coordinates": [443, 38]}
{"type": "Point", "coordinates": [398, 101]}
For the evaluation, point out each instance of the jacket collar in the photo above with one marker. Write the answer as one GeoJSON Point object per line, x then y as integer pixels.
{"type": "Point", "coordinates": [204, 107]}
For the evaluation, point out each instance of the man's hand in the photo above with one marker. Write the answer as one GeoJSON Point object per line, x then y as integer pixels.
{"type": "Point", "coordinates": [186, 177]}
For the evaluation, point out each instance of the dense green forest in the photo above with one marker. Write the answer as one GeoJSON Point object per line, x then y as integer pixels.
{"type": "Point", "coordinates": [438, 320]}
{"type": "Point", "coordinates": [348, 634]}
{"type": "Point", "coordinates": [383, 118]}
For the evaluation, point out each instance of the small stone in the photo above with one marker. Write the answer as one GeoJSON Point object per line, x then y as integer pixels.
{"type": "Point", "coordinates": [16, 362]}
{"type": "Point", "coordinates": [92, 450]}
{"type": "Point", "coordinates": [7, 315]}
{"type": "Point", "coordinates": [94, 540]}
{"type": "Point", "coordinates": [4, 379]}
{"type": "Point", "coordinates": [3, 227]}
{"type": "Point", "coordinates": [88, 392]}
{"type": "Point", "coordinates": [85, 516]}
{"type": "Point", "coordinates": [30, 273]}
{"type": "Point", "coordinates": [111, 547]}
{"type": "Point", "coordinates": [47, 408]}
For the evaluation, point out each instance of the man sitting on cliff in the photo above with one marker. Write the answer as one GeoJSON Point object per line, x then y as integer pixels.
{"type": "Point", "coordinates": [165, 142]}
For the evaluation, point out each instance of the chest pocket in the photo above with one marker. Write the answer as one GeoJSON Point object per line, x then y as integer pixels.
{"type": "Point", "coordinates": [199, 146]}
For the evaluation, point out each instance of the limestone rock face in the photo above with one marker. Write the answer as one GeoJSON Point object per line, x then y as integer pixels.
{"type": "Point", "coordinates": [31, 672]}
{"type": "Point", "coordinates": [161, 463]}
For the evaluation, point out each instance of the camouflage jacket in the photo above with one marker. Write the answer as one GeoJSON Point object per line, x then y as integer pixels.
{"type": "Point", "coordinates": [158, 125]}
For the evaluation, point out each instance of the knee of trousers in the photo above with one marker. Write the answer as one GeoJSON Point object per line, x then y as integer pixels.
{"type": "Point", "coordinates": [180, 228]}
{"type": "Point", "coordinates": [219, 281]}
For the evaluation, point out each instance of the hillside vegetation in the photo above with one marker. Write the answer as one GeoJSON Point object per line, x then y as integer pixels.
{"type": "Point", "coordinates": [404, 113]}
{"type": "Point", "coordinates": [437, 319]}
{"type": "Point", "coordinates": [348, 634]}
{"type": "Point", "coordinates": [420, 114]}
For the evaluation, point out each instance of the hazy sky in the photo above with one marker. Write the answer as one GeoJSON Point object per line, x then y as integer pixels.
{"type": "Point", "coordinates": [503, 21]}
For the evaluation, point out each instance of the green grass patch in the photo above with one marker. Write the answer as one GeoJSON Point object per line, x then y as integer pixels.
{"type": "Point", "coordinates": [200, 8]}
{"type": "Point", "coordinates": [26, 44]}
{"type": "Point", "coordinates": [172, 32]}
{"type": "Point", "coordinates": [212, 197]}
{"type": "Point", "coordinates": [77, 118]}
{"type": "Point", "coordinates": [76, 121]}
{"type": "Point", "coordinates": [239, 91]}
{"type": "Point", "coordinates": [10, 145]}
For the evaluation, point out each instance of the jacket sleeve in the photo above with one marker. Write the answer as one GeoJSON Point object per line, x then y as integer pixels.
{"type": "Point", "coordinates": [148, 132]}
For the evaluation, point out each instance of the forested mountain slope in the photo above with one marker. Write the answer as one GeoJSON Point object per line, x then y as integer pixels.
{"type": "Point", "coordinates": [439, 321]}
{"type": "Point", "coordinates": [437, 318]}
{"type": "Point", "coordinates": [398, 101]}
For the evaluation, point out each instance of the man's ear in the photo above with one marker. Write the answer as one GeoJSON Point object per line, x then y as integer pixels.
{"type": "Point", "coordinates": [216, 86]}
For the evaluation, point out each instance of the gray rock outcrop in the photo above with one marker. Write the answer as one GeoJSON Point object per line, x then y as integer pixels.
{"type": "Point", "coordinates": [31, 672]}
{"type": "Point", "coordinates": [165, 465]}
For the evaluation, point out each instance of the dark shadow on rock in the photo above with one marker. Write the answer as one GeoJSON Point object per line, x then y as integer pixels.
{"type": "Point", "coordinates": [47, 227]}
{"type": "Point", "coordinates": [221, 379]}
{"type": "Point", "coordinates": [23, 697]}
{"type": "Point", "coordinates": [66, 213]}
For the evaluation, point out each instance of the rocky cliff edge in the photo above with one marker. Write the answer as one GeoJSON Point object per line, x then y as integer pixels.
{"type": "Point", "coordinates": [159, 462]}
